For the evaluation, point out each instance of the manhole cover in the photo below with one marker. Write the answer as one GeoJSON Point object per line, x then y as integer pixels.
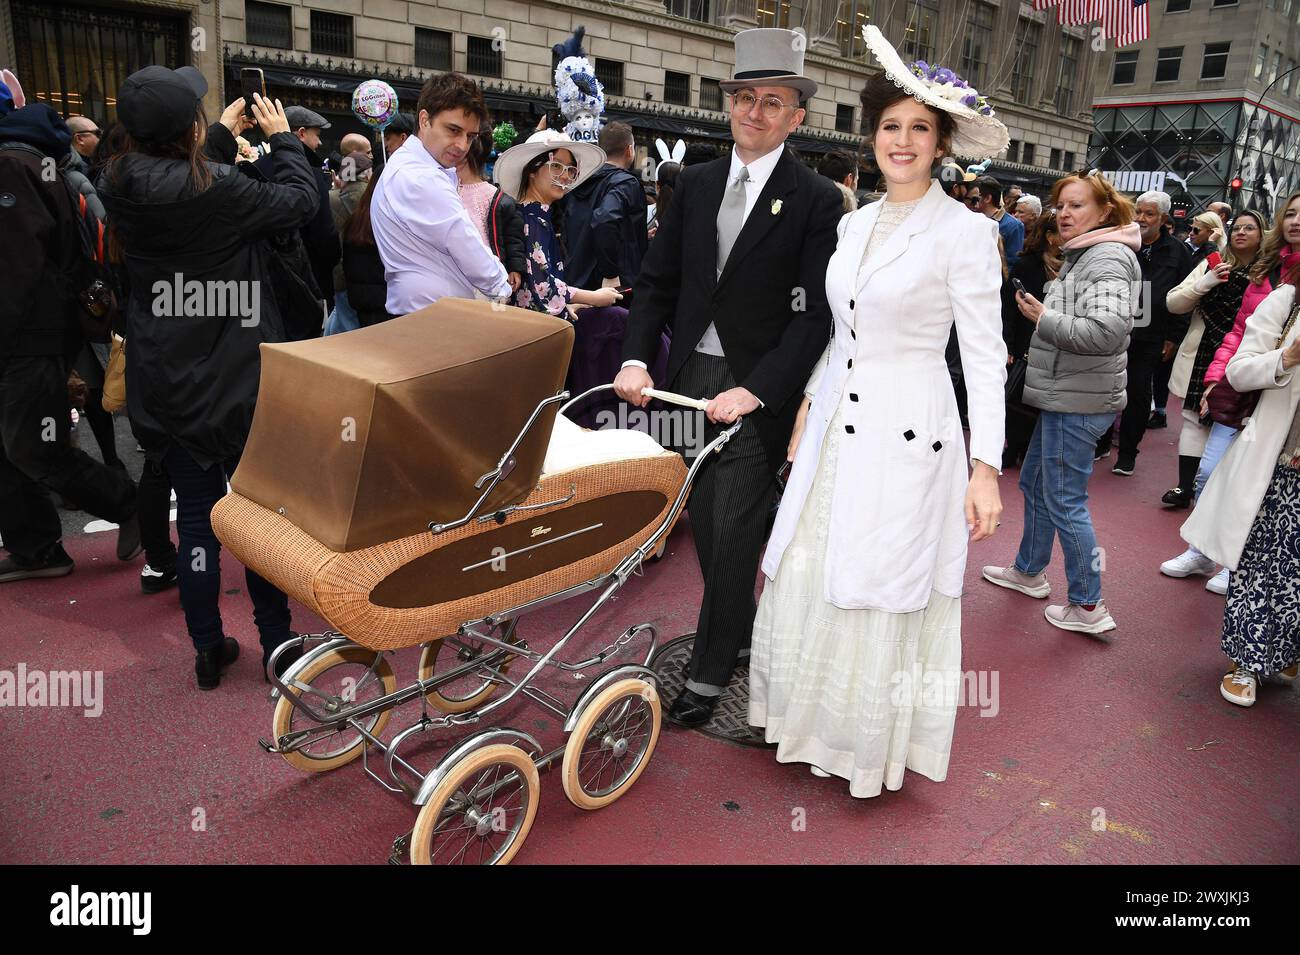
{"type": "Point", "coordinates": [729, 716]}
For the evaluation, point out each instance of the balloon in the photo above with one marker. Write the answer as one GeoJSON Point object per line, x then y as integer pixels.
{"type": "Point", "coordinates": [374, 102]}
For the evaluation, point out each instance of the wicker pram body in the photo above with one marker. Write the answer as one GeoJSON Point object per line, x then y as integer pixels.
{"type": "Point", "coordinates": [575, 526]}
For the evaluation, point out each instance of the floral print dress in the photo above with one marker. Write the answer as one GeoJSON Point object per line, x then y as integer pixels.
{"type": "Point", "coordinates": [543, 288]}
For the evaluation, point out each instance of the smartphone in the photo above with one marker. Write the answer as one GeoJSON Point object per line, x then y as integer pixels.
{"type": "Point", "coordinates": [1213, 260]}
{"type": "Point", "coordinates": [1020, 286]}
{"type": "Point", "coordinates": [783, 475]}
{"type": "Point", "coordinates": [251, 80]}
{"type": "Point", "coordinates": [626, 292]}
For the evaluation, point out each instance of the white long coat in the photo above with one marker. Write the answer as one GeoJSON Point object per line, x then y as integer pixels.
{"type": "Point", "coordinates": [898, 526]}
{"type": "Point", "coordinates": [1230, 501]}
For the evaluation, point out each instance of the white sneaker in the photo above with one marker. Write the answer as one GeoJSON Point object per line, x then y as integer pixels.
{"type": "Point", "coordinates": [817, 771]}
{"type": "Point", "coordinates": [1073, 617]}
{"type": "Point", "coordinates": [1218, 584]}
{"type": "Point", "coordinates": [1013, 579]}
{"type": "Point", "coordinates": [1239, 686]}
{"type": "Point", "coordinates": [1190, 561]}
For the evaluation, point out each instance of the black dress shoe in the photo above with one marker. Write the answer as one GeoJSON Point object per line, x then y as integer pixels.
{"type": "Point", "coordinates": [209, 663]}
{"type": "Point", "coordinates": [1176, 497]}
{"type": "Point", "coordinates": [690, 709]}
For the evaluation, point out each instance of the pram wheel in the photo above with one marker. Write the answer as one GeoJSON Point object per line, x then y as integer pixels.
{"type": "Point", "coordinates": [611, 744]}
{"type": "Point", "coordinates": [481, 812]}
{"type": "Point", "coordinates": [466, 692]}
{"type": "Point", "coordinates": [338, 680]}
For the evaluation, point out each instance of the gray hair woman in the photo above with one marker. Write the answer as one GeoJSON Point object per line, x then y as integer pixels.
{"type": "Point", "coordinates": [1248, 517]}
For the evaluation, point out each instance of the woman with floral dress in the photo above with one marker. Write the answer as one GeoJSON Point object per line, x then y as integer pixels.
{"type": "Point", "coordinates": [537, 173]}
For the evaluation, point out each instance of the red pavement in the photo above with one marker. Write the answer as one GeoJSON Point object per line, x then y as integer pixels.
{"type": "Point", "coordinates": [1132, 726]}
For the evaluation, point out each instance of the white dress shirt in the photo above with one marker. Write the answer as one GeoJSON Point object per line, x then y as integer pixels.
{"type": "Point", "coordinates": [760, 170]}
{"type": "Point", "coordinates": [429, 246]}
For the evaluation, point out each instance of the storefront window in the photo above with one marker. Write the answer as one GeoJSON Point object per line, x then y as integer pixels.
{"type": "Point", "coordinates": [75, 58]}
{"type": "Point", "coordinates": [922, 28]}
{"type": "Point", "coordinates": [1066, 75]}
{"type": "Point", "coordinates": [975, 44]}
{"type": "Point", "coordinates": [1028, 34]}
{"type": "Point", "coordinates": [853, 16]}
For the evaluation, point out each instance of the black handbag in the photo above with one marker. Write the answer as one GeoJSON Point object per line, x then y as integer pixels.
{"type": "Point", "coordinates": [1230, 407]}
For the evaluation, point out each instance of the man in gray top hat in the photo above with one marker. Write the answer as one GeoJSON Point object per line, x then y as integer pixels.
{"type": "Point", "coordinates": [737, 270]}
{"type": "Point", "coordinates": [319, 236]}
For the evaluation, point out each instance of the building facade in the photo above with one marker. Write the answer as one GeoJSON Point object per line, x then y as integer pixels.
{"type": "Point", "coordinates": [1212, 96]}
{"type": "Point", "coordinates": [659, 60]}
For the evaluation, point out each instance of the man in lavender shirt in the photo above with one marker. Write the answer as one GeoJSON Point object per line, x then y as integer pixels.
{"type": "Point", "coordinates": [428, 244]}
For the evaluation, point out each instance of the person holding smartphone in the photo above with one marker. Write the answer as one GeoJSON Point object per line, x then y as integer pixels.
{"type": "Point", "coordinates": [1212, 293]}
{"type": "Point", "coordinates": [184, 214]}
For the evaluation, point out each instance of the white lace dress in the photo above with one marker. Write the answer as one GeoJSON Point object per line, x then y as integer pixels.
{"type": "Point", "coordinates": [859, 694]}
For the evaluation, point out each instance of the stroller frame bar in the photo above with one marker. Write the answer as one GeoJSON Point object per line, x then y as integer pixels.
{"type": "Point", "coordinates": [504, 466]}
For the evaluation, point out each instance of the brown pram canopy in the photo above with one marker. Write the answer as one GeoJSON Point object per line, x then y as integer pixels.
{"type": "Point", "coordinates": [364, 438]}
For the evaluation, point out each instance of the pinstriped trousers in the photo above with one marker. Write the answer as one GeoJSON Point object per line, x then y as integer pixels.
{"type": "Point", "coordinates": [728, 508]}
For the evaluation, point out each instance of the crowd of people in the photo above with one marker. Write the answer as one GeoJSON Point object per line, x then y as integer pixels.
{"type": "Point", "coordinates": [1050, 328]}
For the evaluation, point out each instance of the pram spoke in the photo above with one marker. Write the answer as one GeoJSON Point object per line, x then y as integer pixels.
{"type": "Point", "coordinates": [611, 743]}
{"type": "Point", "coordinates": [481, 812]}
{"type": "Point", "coordinates": [336, 681]}
{"type": "Point", "coordinates": [466, 692]}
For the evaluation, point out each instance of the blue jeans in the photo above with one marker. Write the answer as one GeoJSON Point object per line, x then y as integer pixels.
{"type": "Point", "coordinates": [198, 563]}
{"type": "Point", "coordinates": [1221, 438]}
{"type": "Point", "coordinates": [1054, 480]}
{"type": "Point", "coordinates": [344, 318]}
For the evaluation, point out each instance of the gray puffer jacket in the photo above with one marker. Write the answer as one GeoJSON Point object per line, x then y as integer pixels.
{"type": "Point", "coordinates": [1078, 355]}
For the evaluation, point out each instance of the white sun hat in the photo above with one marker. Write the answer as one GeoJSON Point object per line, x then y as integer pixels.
{"type": "Point", "coordinates": [510, 164]}
{"type": "Point", "coordinates": [979, 133]}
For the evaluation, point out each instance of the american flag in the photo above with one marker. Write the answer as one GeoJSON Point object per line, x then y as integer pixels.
{"type": "Point", "coordinates": [1125, 20]}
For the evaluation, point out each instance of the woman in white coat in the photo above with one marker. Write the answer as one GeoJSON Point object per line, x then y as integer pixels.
{"type": "Point", "coordinates": [856, 653]}
{"type": "Point", "coordinates": [1248, 516]}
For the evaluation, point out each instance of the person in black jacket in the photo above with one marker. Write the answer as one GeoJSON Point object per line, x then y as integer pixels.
{"type": "Point", "coordinates": [319, 235]}
{"type": "Point", "coordinates": [1039, 263]}
{"type": "Point", "coordinates": [194, 237]}
{"type": "Point", "coordinates": [605, 218]}
{"type": "Point", "coordinates": [363, 269]}
{"type": "Point", "coordinates": [39, 336]}
{"type": "Point", "coordinates": [1165, 262]}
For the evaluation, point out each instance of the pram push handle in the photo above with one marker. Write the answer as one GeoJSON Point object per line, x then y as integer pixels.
{"type": "Point", "coordinates": [698, 404]}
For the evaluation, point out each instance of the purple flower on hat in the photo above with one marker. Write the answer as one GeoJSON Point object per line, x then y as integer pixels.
{"type": "Point", "coordinates": [970, 100]}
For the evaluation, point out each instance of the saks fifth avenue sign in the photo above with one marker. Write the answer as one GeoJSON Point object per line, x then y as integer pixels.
{"type": "Point", "coordinates": [1141, 180]}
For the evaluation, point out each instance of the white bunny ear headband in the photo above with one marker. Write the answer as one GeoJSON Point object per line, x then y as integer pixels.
{"type": "Point", "coordinates": [677, 155]}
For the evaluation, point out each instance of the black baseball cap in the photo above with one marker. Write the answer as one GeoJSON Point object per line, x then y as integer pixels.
{"type": "Point", "coordinates": [156, 104]}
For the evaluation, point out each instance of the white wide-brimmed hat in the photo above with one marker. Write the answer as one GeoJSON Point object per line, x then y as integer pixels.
{"type": "Point", "coordinates": [766, 56]}
{"type": "Point", "coordinates": [980, 134]}
{"type": "Point", "coordinates": [510, 164]}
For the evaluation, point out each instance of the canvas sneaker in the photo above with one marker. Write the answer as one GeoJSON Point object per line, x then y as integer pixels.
{"type": "Point", "coordinates": [1239, 686]}
{"type": "Point", "coordinates": [1190, 561]}
{"type": "Point", "coordinates": [1073, 617]}
{"type": "Point", "coordinates": [1218, 584]}
{"type": "Point", "coordinates": [1013, 579]}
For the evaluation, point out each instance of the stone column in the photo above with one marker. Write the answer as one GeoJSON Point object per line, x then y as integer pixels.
{"type": "Point", "coordinates": [737, 14]}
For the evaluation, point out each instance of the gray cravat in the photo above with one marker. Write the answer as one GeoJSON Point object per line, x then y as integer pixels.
{"type": "Point", "coordinates": [731, 215]}
{"type": "Point", "coordinates": [731, 218]}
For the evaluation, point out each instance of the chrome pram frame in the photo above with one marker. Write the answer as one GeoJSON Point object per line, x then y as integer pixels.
{"type": "Point", "coordinates": [466, 782]}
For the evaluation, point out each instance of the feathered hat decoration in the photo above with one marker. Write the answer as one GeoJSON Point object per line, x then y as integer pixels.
{"type": "Point", "coordinates": [580, 96]}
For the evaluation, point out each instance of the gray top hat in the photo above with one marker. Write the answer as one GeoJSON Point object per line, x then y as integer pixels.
{"type": "Point", "coordinates": [770, 57]}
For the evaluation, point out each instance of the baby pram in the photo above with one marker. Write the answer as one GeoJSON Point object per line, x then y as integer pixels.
{"type": "Point", "coordinates": [374, 489]}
